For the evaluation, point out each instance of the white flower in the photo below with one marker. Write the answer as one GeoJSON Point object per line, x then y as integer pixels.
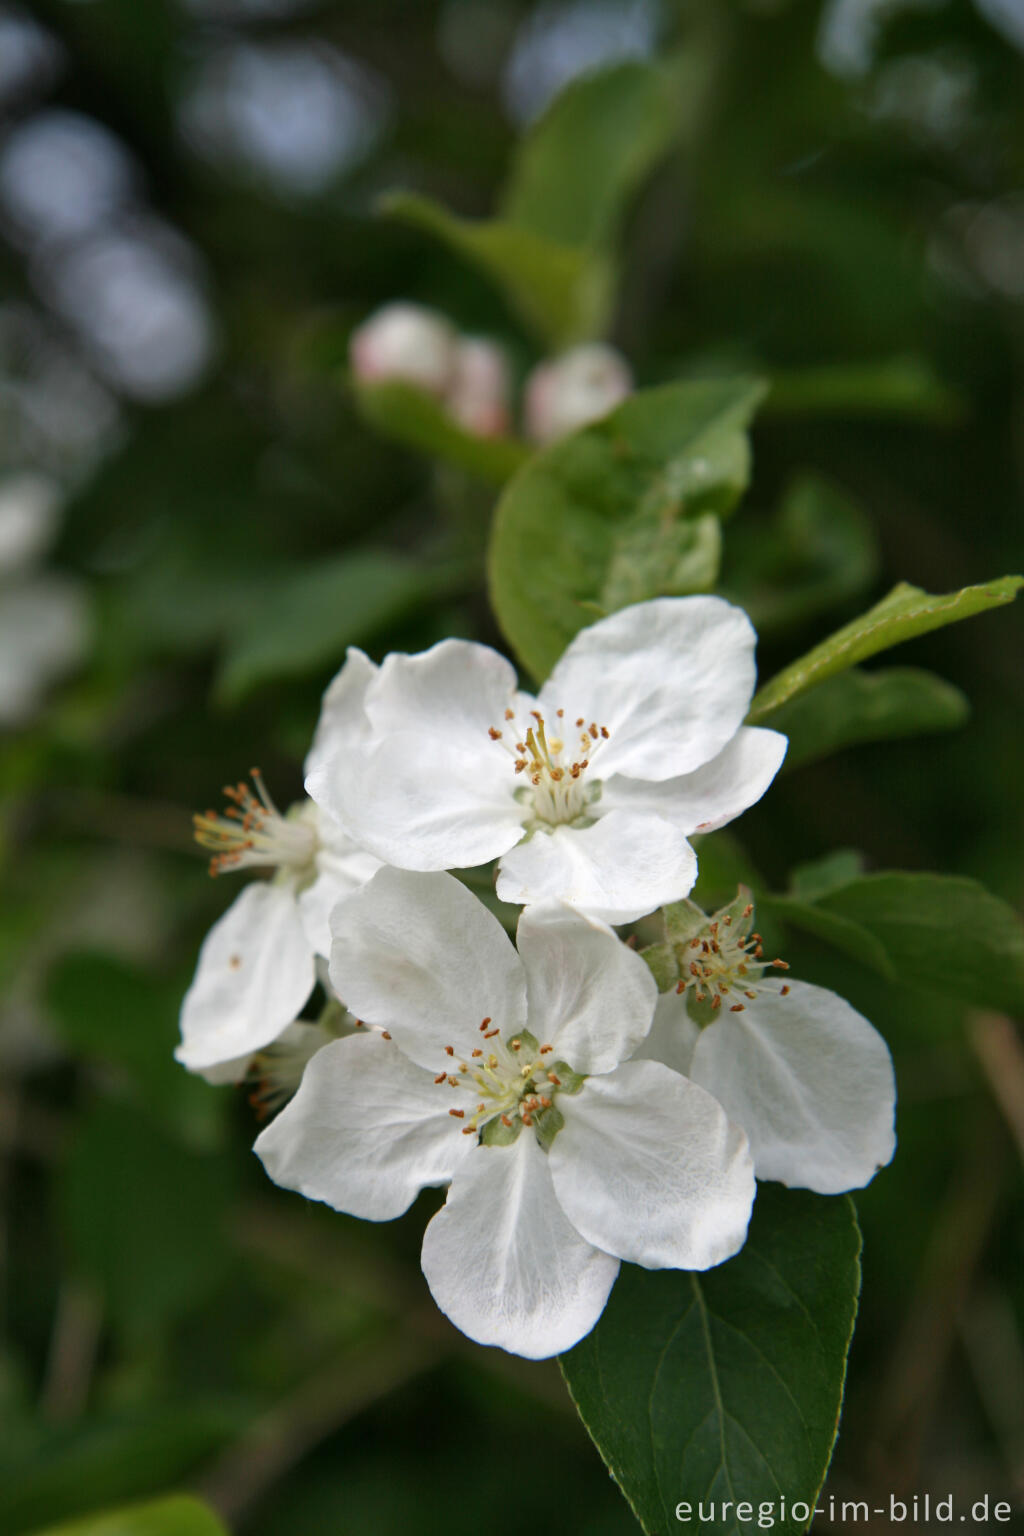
{"type": "Point", "coordinates": [806, 1076]}
{"type": "Point", "coordinates": [569, 391]}
{"type": "Point", "coordinates": [44, 620]}
{"type": "Point", "coordinates": [479, 392]}
{"type": "Point", "coordinates": [257, 964]}
{"type": "Point", "coordinates": [588, 793]}
{"type": "Point", "coordinates": [506, 1075]}
{"type": "Point", "coordinates": [406, 342]}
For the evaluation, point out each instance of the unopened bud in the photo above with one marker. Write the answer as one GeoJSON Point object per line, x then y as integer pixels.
{"type": "Point", "coordinates": [407, 342]}
{"type": "Point", "coordinates": [479, 394]}
{"type": "Point", "coordinates": [574, 389]}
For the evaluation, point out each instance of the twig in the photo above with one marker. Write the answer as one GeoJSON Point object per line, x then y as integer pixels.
{"type": "Point", "coordinates": [999, 1050]}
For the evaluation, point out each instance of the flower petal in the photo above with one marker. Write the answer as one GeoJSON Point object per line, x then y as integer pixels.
{"type": "Point", "coordinates": [366, 1131]}
{"type": "Point", "coordinates": [503, 1261]}
{"type": "Point", "coordinates": [714, 794]}
{"type": "Point", "coordinates": [343, 719]}
{"type": "Point", "coordinates": [811, 1083]}
{"type": "Point", "coordinates": [254, 974]}
{"type": "Point", "coordinates": [618, 869]}
{"type": "Point", "coordinates": [421, 803]}
{"type": "Point", "coordinates": [671, 680]}
{"type": "Point", "coordinates": [648, 1168]}
{"type": "Point", "coordinates": [420, 956]}
{"type": "Point", "coordinates": [672, 1037]}
{"type": "Point", "coordinates": [587, 994]}
{"type": "Point", "coordinates": [456, 692]}
{"type": "Point", "coordinates": [342, 867]}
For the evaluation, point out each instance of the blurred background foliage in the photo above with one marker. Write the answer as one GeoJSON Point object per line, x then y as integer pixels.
{"type": "Point", "coordinates": [188, 196]}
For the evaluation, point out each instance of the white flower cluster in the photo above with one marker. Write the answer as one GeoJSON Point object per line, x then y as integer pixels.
{"type": "Point", "coordinates": [470, 375]}
{"type": "Point", "coordinates": [577, 1119]}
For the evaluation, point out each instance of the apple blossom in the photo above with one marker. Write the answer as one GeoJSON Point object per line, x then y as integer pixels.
{"type": "Point", "coordinates": [569, 391]}
{"type": "Point", "coordinates": [257, 965]}
{"type": "Point", "coordinates": [479, 392]}
{"type": "Point", "coordinates": [588, 793]}
{"type": "Point", "coordinates": [806, 1076]}
{"type": "Point", "coordinates": [406, 342]}
{"type": "Point", "coordinates": [505, 1075]}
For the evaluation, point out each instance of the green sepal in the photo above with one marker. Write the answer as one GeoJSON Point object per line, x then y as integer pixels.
{"type": "Point", "coordinates": [684, 920]}
{"type": "Point", "coordinates": [568, 1081]}
{"type": "Point", "coordinates": [530, 1042]}
{"type": "Point", "coordinates": [497, 1134]}
{"type": "Point", "coordinates": [662, 964]}
{"type": "Point", "coordinates": [547, 1123]}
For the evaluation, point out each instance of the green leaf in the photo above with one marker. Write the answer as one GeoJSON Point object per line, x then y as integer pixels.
{"type": "Point", "coordinates": [860, 706]}
{"type": "Point", "coordinates": [809, 881]}
{"type": "Point", "coordinates": [938, 933]}
{"type": "Point", "coordinates": [589, 153]}
{"type": "Point", "coordinates": [314, 612]}
{"type": "Point", "coordinates": [906, 612]}
{"type": "Point", "coordinates": [896, 386]}
{"type": "Point", "coordinates": [144, 1217]}
{"type": "Point", "coordinates": [727, 1385]}
{"type": "Point", "coordinates": [178, 1515]}
{"type": "Point", "coordinates": [816, 554]}
{"type": "Point", "coordinates": [561, 292]}
{"type": "Point", "coordinates": [618, 512]}
{"type": "Point", "coordinates": [108, 1011]}
{"type": "Point", "coordinates": [413, 417]}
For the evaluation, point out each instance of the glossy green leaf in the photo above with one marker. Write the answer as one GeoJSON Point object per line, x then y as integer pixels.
{"type": "Point", "coordinates": [819, 552]}
{"type": "Point", "coordinates": [727, 1385]}
{"type": "Point", "coordinates": [178, 1515]}
{"type": "Point", "coordinates": [939, 933]}
{"type": "Point", "coordinates": [623, 510]}
{"type": "Point", "coordinates": [858, 706]}
{"type": "Point", "coordinates": [906, 612]}
{"type": "Point", "coordinates": [144, 1218]}
{"type": "Point", "coordinates": [413, 417]}
{"type": "Point", "coordinates": [560, 292]}
{"type": "Point", "coordinates": [590, 151]}
{"type": "Point", "coordinates": [311, 615]}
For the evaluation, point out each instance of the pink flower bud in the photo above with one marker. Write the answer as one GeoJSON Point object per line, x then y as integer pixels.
{"type": "Point", "coordinates": [408, 342]}
{"type": "Point", "coordinates": [479, 395]}
{"type": "Point", "coordinates": [573, 389]}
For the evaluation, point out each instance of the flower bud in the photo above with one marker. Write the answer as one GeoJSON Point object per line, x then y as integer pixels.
{"type": "Point", "coordinates": [479, 394]}
{"type": "Point", "coordinates": [407, 342]}
{"type": "Point", "coordinates": [576, 388]}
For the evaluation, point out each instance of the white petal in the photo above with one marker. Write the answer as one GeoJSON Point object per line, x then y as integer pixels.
{"type": "Point", "coordinates": [672, 1037]}
{"type": "Point", "coordinates": [618, 869]}
{"type": "Point", "coordinates": [505, 1264]}
{"type": "Point", "coordinates": [648, 1167]}
{"type": "Point", "coordinates": [811, 1083]}
{"type": "Point", "coordinates": [343, 719]}
{"type": "Point", "coordinates": [671, 679]}
{"type": "Point", "coordinates": [254, 974]}
{"type": "Point", "coordinates": [342, 867]}
{"type": "Point", "coordinates": [714, 794]}
{"type": "Point", "coordinates": [587, 994]}
{"type": "Point", "coordinates": [420, 956]}
{"type": "Point", "coordinates": [366, 1131]}
{"type": "Point", "coordinates": [454, 692]}
{"type": "Point", "coordinates": [420, 803]}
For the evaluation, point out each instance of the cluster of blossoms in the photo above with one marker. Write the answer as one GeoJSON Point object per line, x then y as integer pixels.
{"type": "Point", "coordinates": [578, 1118]}
{"type": "Point", "coordinates": [470, 375]}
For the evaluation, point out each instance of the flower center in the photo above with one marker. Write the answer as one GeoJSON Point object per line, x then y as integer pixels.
{"type": "Point", "coordinates": [515, 1084]}
{"type": "Point", "coordinates": [252, 830]}
{"type": "Point", "coordinates": [554, 785]}
{"type": "Point", "coordinates": [724, 959]}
